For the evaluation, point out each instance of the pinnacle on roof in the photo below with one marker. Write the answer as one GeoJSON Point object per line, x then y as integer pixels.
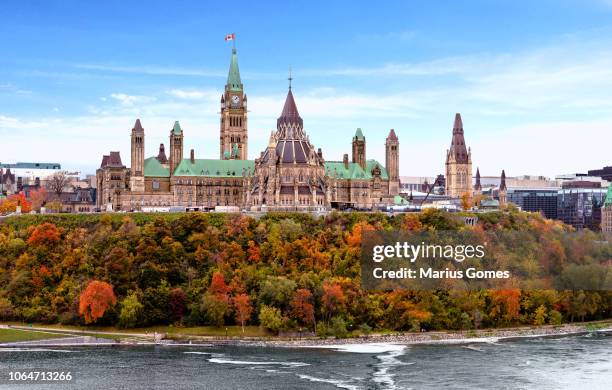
{"type": "Point", "coordinates": [233, 76]}
{"type": "Point", "coordinates": [161, 156]}
{"type": "Point", "coordinates": [477, 185]}
{"type": "Point", "coordinates": [177, 128]}
{"type": "Point", "coordinates": [359, 134]}
{"type": "Point", "coordinates": [138, 126]}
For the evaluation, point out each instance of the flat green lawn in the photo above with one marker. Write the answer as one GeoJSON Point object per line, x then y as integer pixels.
{"type": "Point", "coordinates": [172, 331]}
{"type": "Point", "coordinates": [13, 335]}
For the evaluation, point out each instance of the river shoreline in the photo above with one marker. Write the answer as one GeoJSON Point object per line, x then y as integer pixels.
{"type": "Point", "coordinates": [438, 337]}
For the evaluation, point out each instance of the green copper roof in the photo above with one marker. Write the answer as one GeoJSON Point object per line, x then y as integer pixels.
{"type": "Point", "coordinates": [233, 77]}
{"type": "Point", "coordinates": [354, 170]}
{"type": "Point", "coordinates": [608, 201]}
{"type": "Point", "coordinates": [153, 168]}
{"type": "Point", "coordinates": [359, 134]}
{"type": "Point", "coordinates": [177, 128]}
{"type": "Point", "coordinates": [398, 200]}
{"type": "Point", "coordinates": [215, 168]}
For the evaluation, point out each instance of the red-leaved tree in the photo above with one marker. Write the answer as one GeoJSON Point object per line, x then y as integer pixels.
{"type": "Point", "coordinates": [95, 300]}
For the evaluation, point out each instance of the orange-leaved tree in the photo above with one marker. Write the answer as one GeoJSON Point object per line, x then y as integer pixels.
{"type": "Point", "coordinates": [242, 304]}
{"type": "Point", "coordinates": [95, 300]}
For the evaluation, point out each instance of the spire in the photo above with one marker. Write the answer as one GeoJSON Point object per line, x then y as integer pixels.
{"type": "Point", "coordinates": [478, 186]}
{"type": "Point", "coordinates": [458, 148]}
{"type": "Point", "coordinates": [458, 122]}
{"type": "Point", "coordinates": [177, 128]}
{"type": "Point", "coordinates": [502, 184]}
{"type": "Point", "coordinates": [392, 136]}
{"type": "Point", "coordinates": [290, 112]}
{"type": "Point", "coordinates": [359, 135]}
{"type": "Point", "coordinates": [137, 126]}
{"type": "Point", "coordinates": [290, 78]}
{"type": "Point", "coordinates": [233, 76]}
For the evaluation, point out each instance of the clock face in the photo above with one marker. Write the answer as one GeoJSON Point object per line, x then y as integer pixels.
{"type": "Point", "coordinates": [235, 99]}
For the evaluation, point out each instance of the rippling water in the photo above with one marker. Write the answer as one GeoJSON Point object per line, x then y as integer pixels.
{"type": "Point", "coordinates": [533, 363]}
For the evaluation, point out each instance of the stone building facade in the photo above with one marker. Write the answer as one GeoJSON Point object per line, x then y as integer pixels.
{"type": "Point", "coordinates": [458, 163]}
{"type": "Point", "coordinates": [290, 174]}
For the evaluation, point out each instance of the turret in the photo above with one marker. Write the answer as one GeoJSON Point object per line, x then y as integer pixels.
{"type": "Point", "coordinates": [176, 147]}
{"type": "Point", "coordinates": [359, 149]}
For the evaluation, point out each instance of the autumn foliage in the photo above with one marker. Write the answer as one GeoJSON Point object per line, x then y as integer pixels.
{"type": "Point", "coordinates": [284, 271]}
{"type": "Point", "coordinates": [95, 300]}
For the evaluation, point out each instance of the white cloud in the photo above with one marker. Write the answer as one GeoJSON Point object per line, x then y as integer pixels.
{"type": "Point", "coordinates": [130, 100]}
{"type": "Point", "coordinates": [8, 123]}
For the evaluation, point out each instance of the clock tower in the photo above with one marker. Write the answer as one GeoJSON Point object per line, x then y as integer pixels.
{"type": "Point", "coordinates": [233, 139]}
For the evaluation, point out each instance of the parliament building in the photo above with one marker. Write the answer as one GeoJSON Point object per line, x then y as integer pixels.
{"type": "Point", "coordinates": [290, 174]}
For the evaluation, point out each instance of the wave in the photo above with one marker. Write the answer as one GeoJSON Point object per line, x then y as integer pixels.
{"type": "Point", "coordinates": [363, 348]}
{"type": "Point", "coordinates": [257, 363]}
{"type": "Point", "coordinates": [336, 382]}
{"type": "Point", "coordinates": [198, 353]}
{"type": "Point", "coordinates": [473, 348]}
{"type": "Point", "coordinates": [387, 362]}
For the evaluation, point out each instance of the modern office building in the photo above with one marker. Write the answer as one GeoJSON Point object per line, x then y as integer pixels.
{"type": "Point", "coordinates": [542, 200]}
{"type": "Point", "coordinates": [579, 204]}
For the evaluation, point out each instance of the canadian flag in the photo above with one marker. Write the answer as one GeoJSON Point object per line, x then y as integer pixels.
{"type": "Point", "coordinates": [230, 37]}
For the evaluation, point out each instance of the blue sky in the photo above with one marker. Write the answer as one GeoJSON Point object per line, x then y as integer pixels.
{"type": "Point", "coordinates": [533, 80]}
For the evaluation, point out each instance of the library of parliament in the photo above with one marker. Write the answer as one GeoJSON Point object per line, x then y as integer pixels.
{"type": "Point", "coordinates": [290, 174]}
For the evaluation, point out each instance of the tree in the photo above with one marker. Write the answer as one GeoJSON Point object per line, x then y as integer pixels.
{"type": "Point", "coordinates": [270, 318]}
{"type": "Point", "coordinates": [217, 285]}
{"type": "Point", "coordinates": [177, 303]}
{"type": "Point", "coordinates": [302, 308]}
{"type": "Point", "coordinates": [540, 315]}
{"type": "Point", "coordinates": [95, 300]}
{"type": "Point", "coordinates": [57, 182]}
{"type": "Point", "coordinates": [45, 234]}
{"type": "Point", "coordinates": [243, 308]}
{"type": "Point", "coordinates": [9, 205]}
{"type": "Point", "coordinates": [333, 299]}
{"type": "Point", "coordinates": [38, 198]}
{"type": "Point", "coordinates": [215, 307]}
{"type": "Point", "coordinates": [466, 201]}
{"type": "Point", "coordinates": [131, 310]}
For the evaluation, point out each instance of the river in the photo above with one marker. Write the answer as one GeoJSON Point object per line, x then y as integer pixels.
{"type": "Point", "coordinates": [570, 362]}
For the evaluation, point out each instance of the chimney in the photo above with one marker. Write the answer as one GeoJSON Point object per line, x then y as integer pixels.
{"type": "Point", "coordinates": [192, 156]}
{"type": "Point", "coordinates": [345, 160]}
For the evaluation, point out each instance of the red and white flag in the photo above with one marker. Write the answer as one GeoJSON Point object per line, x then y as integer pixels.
{"type": "Point", "coordinates": [230, 37]}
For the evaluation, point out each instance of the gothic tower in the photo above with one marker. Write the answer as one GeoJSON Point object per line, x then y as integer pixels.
{"type": "Point", "coordinates": [176, 146]}
{"type": "Point", "coordinates": [477, 185]}
{"type": "Point", "coordinates": [233, 138]}
{"type": "Point", "coordinates": [458, 163]}
{"type": "Point", "coordinates": [137, 167]}
{"type": "Point", "coordinates": [392, 162]}
{"type": "Point", "coordinates": [503, 191]}
{"type": "Point", "coordinates": [359, 149]}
